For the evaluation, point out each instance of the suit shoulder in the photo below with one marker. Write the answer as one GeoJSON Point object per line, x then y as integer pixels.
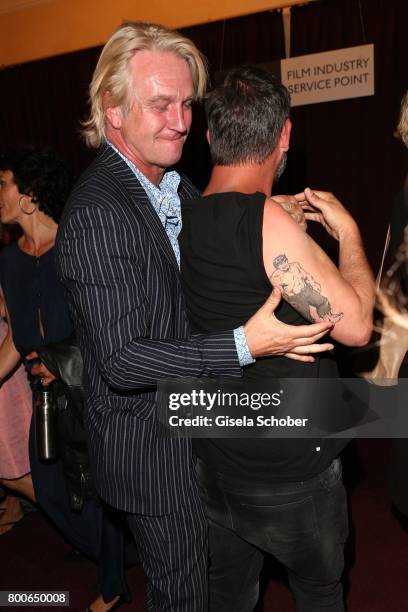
{"type": "Point", "coordinates": [98, 188]}
{"type": "Point", "coordinates": [187, 189]}
{"type": "Point", "coordinates": [96, 182]}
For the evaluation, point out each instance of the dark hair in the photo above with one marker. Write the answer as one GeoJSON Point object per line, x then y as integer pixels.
{"type": "Point", "coordinates": [246, 116]}
{"type": "Point", "coordinates": [40, 174]}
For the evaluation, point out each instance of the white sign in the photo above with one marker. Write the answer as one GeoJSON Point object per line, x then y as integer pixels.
{"type": "Point", "coordinates": [333, 75]}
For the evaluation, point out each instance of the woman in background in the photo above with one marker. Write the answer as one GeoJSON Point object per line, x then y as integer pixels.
{"type": "Point", "coordinates": [33, 190]}
{"type": "Point", "coordinates": [15, 416]}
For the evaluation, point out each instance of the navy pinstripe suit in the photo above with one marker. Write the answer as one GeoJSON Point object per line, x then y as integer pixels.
{"type": "Point", "coordinates": [123, 288]}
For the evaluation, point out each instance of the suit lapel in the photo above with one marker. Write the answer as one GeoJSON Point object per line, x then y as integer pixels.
{"type": "Point", "coordinates": [187, 190]}
{"type": "Point", "coordinates": [138, 197]}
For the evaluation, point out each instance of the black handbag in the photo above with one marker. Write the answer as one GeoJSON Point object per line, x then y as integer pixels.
{"type": "Point", "coordinates": [64, 360]}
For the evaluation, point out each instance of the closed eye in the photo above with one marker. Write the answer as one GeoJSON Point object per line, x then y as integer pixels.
{"type": "Point", "coordinates": [160, 109]}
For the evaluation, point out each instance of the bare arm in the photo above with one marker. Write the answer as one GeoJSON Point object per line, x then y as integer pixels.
{"type": "Point", "coordinates": [353, 264]}
{"type": "Point", "coordinates": [9, 356]}
{"type": "Point", "coordinates": [345, 296]}
{"type": "Point", "coordinates": [265, 334]}
{"type": "Point", "coordinates": [309, 278]}
{"type": "Point", "coordinates": [293, 208]}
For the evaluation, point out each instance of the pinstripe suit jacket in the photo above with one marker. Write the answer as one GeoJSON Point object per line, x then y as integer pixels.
{"type": "Point", "coordinates": [123, 289]}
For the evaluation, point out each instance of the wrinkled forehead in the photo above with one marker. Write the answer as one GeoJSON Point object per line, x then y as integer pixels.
{"type": "Point", "coordinates": [161, 73]}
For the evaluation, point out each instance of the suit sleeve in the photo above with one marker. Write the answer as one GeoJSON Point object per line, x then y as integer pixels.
{"type": "Point", "coordinates": [103, 267]}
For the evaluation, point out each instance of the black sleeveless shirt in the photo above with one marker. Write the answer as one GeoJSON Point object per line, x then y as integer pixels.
{"type": "Point", "coordinates": [224, 283]}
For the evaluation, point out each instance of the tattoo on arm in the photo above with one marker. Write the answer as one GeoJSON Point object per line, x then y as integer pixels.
{"type": "Point", "coordinates": [301, 291]}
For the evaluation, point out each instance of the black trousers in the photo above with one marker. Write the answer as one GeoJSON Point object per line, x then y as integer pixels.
{"type": "Point", "coordinates": [303, 524]}
{"type": "Point", "coordinates": [174, 554]}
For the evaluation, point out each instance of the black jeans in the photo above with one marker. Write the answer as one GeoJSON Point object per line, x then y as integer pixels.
{"type": "Point", "coordinates": [303, 524]}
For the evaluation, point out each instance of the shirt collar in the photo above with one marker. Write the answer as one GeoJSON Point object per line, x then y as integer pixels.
{"type": "Point", "coordinates": [168, 185]}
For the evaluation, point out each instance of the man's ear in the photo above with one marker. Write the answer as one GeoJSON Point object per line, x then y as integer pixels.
{"type": "Point", "coordinates": [285, 135]}
{"type": "Point", "coordinates": [208, 136]}
{"type": "Point", "coordinates": [113, 114]}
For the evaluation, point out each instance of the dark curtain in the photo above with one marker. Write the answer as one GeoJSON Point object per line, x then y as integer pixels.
{"type": "Point", "coordinates": [254, 38]}
{"type": "Point", "coordinates": [346, 146]}
{"type": "Point", "coordinates": [42, 103]}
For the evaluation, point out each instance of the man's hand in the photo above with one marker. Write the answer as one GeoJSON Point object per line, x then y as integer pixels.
{"type": "Point", "coordinates": [292, 207]}
{"type": "Point", "coordinates": [39, 369]}
{"type": "Point", "coordinates": [326, 209]}
{"type": "Point", "coordinates": [266, 335]}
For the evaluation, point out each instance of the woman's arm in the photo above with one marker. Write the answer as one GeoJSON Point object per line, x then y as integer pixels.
{"type": "Point", "coordinates": [9, 356]}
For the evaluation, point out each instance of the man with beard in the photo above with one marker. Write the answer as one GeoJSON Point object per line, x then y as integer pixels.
{"type": "Point", "coordinates": [283, 496]}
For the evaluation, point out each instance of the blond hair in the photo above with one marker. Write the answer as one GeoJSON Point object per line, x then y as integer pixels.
{"type": "Point", "coordinates": [402, 127]}
{"type": "Point", "coordinates": [112, 72]}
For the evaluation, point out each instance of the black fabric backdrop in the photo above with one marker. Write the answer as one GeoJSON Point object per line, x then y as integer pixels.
{"type": "Point", "coordinates": [345, 146]}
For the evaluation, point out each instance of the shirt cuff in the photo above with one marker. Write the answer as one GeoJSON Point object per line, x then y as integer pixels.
{"type": "Point", "coordinates": [244, 354]}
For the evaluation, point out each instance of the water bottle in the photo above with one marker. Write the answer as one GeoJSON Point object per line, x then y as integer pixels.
{"type": "Point", "coordinates": [45, 425]}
